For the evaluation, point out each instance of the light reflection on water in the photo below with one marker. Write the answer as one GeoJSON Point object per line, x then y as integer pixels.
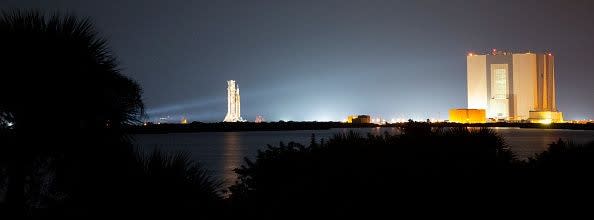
{"type": "Point", "coordinates": [232, 155]}
{"type": "Point", "coordinates": [221, 152]}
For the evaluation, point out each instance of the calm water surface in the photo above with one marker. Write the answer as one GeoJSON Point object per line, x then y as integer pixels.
{"type": "Point", "coordinates": [221, 152]}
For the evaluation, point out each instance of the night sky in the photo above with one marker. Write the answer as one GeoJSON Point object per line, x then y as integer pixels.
{"type": "Point", "coordinates": [322, 60]}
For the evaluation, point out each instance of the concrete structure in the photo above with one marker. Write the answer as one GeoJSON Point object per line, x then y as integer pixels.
{"type": "Point", "coordinates": [545, 117]}
{"type": "Point", "coordinates": [233, 103]}
{"type": "Point", "coordinates": [511, 85]}
{"type": "Point", "coordinates": [464, 115]}
{"type": "Point", "coordinates": [361, 119]}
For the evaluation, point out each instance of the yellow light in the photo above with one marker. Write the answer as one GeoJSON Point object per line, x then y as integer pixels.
{"type": "Point", "coordinates": [467, 115]}
{"type": "Point", "coordinates": [470, 54]}
{"type": "Point", "coordinates": [546, 121]}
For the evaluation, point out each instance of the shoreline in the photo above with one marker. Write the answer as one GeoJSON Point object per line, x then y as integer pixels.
{"type": "Point", "coordinates": [294, 126]}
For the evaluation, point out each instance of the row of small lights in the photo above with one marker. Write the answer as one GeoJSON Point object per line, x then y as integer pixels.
{"type": "Point", "coordinates": [495, 50]}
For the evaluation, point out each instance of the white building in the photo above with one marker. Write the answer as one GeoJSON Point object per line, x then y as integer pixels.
{"type": "Point", "coordinates": [513, 86]}
{"type": "Point", "coordinates": [233, 103]}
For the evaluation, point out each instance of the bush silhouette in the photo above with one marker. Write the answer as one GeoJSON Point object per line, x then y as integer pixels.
{"type": "Point", "coordinates": [168, 185]}
{"type": "Point", "coordinates": [352, 173]}
{"type": "Point", "coordinates": [565, 159]}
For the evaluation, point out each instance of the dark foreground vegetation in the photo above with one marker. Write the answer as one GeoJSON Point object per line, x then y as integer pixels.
{"type": "Point", "coordinates": [86, 167]}
{"type": "Point", "coordinates": [423, 168]}
{"type": "Point", "coordinates": [79, 162]}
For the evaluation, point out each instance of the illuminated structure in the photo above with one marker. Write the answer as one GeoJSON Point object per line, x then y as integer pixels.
{"type": "Point", "coordinates": [350, 118]}
{"type": "Point", "coordinates": [545, 117]}
{"type": "Point", "coordinates": [463, 115]}
{"type": "Point", "coordinates": [513, 86]}
{"type": "Point", "coordinates": [233, 103]}
{"type": "Point", "coordinates": [359, 119]}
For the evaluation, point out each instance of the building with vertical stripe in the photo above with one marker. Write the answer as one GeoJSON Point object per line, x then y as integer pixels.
{"type": "Point", "coordinates": [513, 86]}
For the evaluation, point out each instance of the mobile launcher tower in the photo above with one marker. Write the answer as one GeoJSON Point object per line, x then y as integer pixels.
{"type": "Point", "coordinates": [233, 103]}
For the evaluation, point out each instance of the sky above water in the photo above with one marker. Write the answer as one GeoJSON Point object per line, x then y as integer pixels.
{"type": "Point", "coordinates": [323, 60]}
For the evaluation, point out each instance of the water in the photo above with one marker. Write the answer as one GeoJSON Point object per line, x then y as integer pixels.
{"type": "Point", "coordinates": [221, 152]}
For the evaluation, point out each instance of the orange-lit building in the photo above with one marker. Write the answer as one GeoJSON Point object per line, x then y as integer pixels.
{"type": "Point", "coordinates": [359, 119]}
{"type": "Point", "coordinates": [545, 117]}
{"type": "Point", "coordinates": [362, 119]}
{"type": "Point", "coordinates": [512, 86]}
{"type": "Point", "coordinates": [464, 115]}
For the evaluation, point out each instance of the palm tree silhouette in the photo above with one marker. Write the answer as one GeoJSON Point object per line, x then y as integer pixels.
{"type": "Point", "coordinates": [60, 85]}
{"type": "Point", "coordinates": [60, 65]}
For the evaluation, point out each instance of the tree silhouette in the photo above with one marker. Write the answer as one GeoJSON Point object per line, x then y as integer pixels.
{"type": "Point", "coordinates": [61, 87]}
{"type": "Point", "coordinates": [565, 160]}
{"type": "Point", "coordinates": [59, 67]}
{"type": "Point", "coordinates": [357, 174]}
{"type": "Point", "coordinates": [172, 185]}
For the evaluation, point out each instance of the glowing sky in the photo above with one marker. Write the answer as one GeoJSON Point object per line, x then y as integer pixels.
{"type": "Point", "coordinates": [323, 60]}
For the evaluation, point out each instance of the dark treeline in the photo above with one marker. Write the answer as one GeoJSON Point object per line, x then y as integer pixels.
{"type": "Point", "coordinates": [292, 125]}
{"type": "Point", "coordinates": [243, 126]}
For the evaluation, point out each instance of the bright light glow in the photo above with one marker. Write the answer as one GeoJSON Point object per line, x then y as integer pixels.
{"type": "Point", "coordinates": [470, 54]}
{"type": "Point", "coordinates": [550, 54]}
{"type": "Point", "coordinates": [350, 118]}
{"type": "Point", "coordinates": [546, 121]}
{"type": "Point", "coordinates": [378, 120]}
{"type": "Point", "coordinates": [285, 119]}
{"type": "Point", "coordinates": [10, 124]}
{"type": "Point", "coordinates": [259, 119]}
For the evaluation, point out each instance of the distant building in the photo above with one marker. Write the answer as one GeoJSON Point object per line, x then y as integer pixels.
{"type": "Point", "coordinates": [513, 86]}
{"type": "Point", "coordinates": [233, 103]}
{"type": "Point", "coordinates": [464, 115]}
{"type": "Point", "coordinates": [361, 119]}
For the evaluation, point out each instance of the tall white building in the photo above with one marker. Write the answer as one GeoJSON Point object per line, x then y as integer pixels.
{"type": "Point", "coordinates": [513, 86]}
{"type": "Point", "coordinates": [233, 103]}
